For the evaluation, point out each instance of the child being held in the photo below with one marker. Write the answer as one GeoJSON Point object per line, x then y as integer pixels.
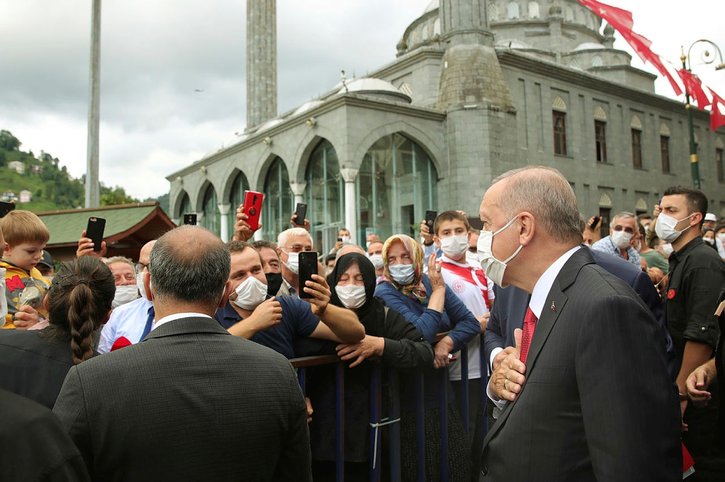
{"type": "Point", "coordinates": [25, 238]}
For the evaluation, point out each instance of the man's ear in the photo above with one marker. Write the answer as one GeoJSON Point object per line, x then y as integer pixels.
{"type": "Point", "coordinates": [147, 286]}
{"type": "Point", "coordinates": [527, 228]}
{"type": "Point", "coordinates": [225, 295]}
{"type": "Point", "coordinates": [437, 240]}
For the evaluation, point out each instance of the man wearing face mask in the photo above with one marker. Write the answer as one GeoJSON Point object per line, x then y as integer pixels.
{"type": "Point", "coordinates": [124, 275]}
{"type": "Point", "coordinates": [375, 255]}
{"type": "Point", "coordinates": [278, 322]}
{"type": "Point", "coordinates": [622, 234]}
{"type": "Point", "coordinates": [131, 322]}
{"type": "Point", "coordinates": [343, 238]}
{"type": "Point", "coordinates": [696, 278]}
{"type": "Point", "coordinates": [289, 245]}
{"type": "Point", "coordinates": [271, 265]}
{"type": "Point", "coordinates": [588, 376]}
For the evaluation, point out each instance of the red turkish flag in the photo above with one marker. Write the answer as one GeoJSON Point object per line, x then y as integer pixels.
{"type": "Point", "coordinates": [717, 119]}
{"type": "Point", "coordinates": [694, 88]}
{"type": "Point", "coordinates": [622, 22]}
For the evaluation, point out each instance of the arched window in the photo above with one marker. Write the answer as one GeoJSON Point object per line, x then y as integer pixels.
{"type": "Point", "coordinates": [278, 201]}
{"type": "Point", "coordinates": [396, 184]}
{"type": "Point", "coordinates": [184, 206]}
{"type": "Point", "coordinates": [324, 194]}
{"type": "Point", "coordinates": [512, 10]}
{"type": "Point", "coordinates": [210, 219]}
{"type": "Point", "coordinates": [236, 196]}
{"type": "Point", "coordinates": [534, 10]}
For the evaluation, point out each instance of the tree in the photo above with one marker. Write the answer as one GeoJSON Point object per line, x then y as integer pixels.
{"type": "Point", "coordinates": [8, 141]}
{"type": "Point", "coordinates": [114, 196]}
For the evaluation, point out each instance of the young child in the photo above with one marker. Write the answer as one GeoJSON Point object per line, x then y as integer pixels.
{"type": "Point", "coordinates": [25, 237]}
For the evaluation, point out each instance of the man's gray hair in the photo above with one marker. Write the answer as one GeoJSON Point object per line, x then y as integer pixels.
{"type": "Point", "coordinates": [285, 235]}
{"type": "Point", "coordinates": [625, 215]}
{"type": "Point", "coordinates": [191, 268]}
{"type": "Point", "coordinates": [120, 259]}
{"type": "Point", "coordinates": [544, 192]}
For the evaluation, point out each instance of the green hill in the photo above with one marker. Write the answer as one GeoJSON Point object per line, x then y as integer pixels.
{"type": "Point", "coordinates": [50, 185]}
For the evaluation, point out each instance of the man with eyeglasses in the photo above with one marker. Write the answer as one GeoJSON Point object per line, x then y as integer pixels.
{"type": "Point", "coordinates": [129, 323]}
{"type": "Point", "coordinates": [623, 234]}
{"type": "Point", "coordinates": [290, 243]}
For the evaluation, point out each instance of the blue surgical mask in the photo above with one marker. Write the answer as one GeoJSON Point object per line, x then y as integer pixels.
{"type": "Point", "coordinates": [403, 274]}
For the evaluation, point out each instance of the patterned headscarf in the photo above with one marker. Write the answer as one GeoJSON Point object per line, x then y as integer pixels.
{"type": "Point", "coordinates": [415, 289]}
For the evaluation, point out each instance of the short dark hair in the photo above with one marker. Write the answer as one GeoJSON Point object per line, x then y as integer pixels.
{"type": "Point", "coordinates": [263, 243]}
{"type": "Point", "coordinates": [195, 270]}
{"type": "Point", "coordinates": [696, 199]}
{"type": "Point", "coordinates": [450, 216]}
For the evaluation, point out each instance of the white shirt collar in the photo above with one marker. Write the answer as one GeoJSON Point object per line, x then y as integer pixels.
{"type": "Point", "coordinates": [544, 283]}
{"type": "Point", "coordinates": [177, 316]}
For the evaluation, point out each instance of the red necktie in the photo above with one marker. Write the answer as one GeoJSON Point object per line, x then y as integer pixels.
{"type": "Point", "coordinates": [529, 327]}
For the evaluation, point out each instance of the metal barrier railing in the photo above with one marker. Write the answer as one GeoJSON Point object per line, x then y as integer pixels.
{"type": "Point", "coordinates": [392, 422]}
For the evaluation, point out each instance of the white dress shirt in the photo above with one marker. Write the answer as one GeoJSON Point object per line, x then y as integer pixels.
{"type": "Point", "coordinates": [177, 316]}
{"type": "Point", "coordinates": [127, 321]}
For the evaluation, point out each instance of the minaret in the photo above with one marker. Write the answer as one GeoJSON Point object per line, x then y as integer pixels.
{"type": "Point", "coordinates": [261, 61]}
{"type": "Point", "coordinates": [480, 115]}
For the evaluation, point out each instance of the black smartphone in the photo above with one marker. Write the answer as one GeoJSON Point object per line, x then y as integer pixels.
{"type": "Point", "coordinates": [430, 217]}
{"type": "Point", "coordinates": [190, 219]}
{"type": "Point", "coordinates": [301, 211]}
{"type": "Point", "coordinates": [6, 208]}
{"type": "Point", "coordinates": [594, 222]}
{"type": "Point", "coordinates": [94, 230]}
{"type": "Point", "coordinates": [308, 267]}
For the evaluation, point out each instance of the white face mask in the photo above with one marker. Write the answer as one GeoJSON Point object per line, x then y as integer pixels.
{"type": "Point", "coordinates": [293, 262]}
{"type": "Point", "coordinates": [124, 294]}
{"type": "Point", "coordinates": [665, 227]}
{"type": "Point", "coordinates": [454, 246]}
{"type": "Point", "coordinates": [345, 239]}
{"type": "Point", "coordinates": [721, 237]}
{"type": "Point", "coordinates": [250, 293]}
{"type": "Point", "coordinates": [351, 296]}
{"type": "Point", "coordinates": [377, 260]}
{"type": "Point", "coordinates": [403, 274]}
{"type": "Point", "coordinates": [621, 239]}
{"type": "Point", "coordinates": [139, 284]}
{"type": "Point", "coordinates": [494, 268]}
{"type": "Point", "coordinates": [667, 249]}
{"type": "Point", "coordinates": [710, 241]}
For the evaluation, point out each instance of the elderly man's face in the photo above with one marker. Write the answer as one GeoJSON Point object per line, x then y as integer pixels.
{"type": "Point", "coordinates": [493, 217]}
{"type": "Point", "coordinates": [123, 273]}
{"type": "Point", "coordinates": [628, 225]}
{"type": "Point", "coordinates": [295, 244]}
{"type": "Point", "coordinates": [270, 260]}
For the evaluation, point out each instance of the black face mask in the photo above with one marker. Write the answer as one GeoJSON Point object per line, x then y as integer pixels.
{"type": "Point", "coordinates": [274, 283]}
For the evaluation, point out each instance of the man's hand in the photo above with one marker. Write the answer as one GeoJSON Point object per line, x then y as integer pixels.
{"type": "Point", "coordinates": [242, 231]}
{"type": "Point", "coordinates": [25, 317]}
{"type": "Point", "coordinates": [483, 320]}
{"type": "Point", "coordinates": [698, 381]}
{"type": "Point", "coordinates": [294, 224]}
{"type": "Point", "coordinates": [592, 230]}
{"type": "Point", "coordinates": [508, 377]}
{"type": "Point", "coordinates": [442, 349]}
{"type": "Point", "coordinates": [85, 247]}
{"type": "Point", "coordinates": [310, 410]}
{"type": "Point", "coordinates": [368, 347]}
{"type": "Point", "coordinates": [320, 291]}
{"type": "Point", "coordinates": [266, 315]}
{"type": "Point", "coordinates": [425, 233]}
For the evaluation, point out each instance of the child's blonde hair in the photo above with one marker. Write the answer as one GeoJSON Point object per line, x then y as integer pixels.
{"type": "Point", "coordinates": [23, 227]}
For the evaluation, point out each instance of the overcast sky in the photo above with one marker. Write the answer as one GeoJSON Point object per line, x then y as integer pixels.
{"type": "Point", "coordinates": [156, 54]}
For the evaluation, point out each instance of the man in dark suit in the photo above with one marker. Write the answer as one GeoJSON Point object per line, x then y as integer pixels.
{"type": "Point", "coordinates": [191, 401]}
{"type": "Point", "coordinates": [511, 303]}
{"type": "Point", "coordinates": [585, 398]}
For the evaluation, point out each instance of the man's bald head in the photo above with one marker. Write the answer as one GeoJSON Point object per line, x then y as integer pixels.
{"type": "Point", "coordinates": [349, 248]}
{"type": "Point", "coordinates": [191, 264]}
{"type": "Point", "coordinates": [546, 194]}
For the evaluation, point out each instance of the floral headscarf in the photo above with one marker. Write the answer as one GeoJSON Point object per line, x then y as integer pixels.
{"type": "Point", "coordinates": [415, 289]}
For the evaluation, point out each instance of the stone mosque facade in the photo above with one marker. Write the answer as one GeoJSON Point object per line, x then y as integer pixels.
{"type": "Point", "coordinates": [477, 88]}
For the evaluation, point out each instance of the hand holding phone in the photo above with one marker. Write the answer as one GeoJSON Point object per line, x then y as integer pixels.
{"type": "Point", "coordinates": [307, 267]}
{"type": "Point", "coordinates": [94, 231]}
{"type": "Point", "coordinates": [190, 219]}
{"type": "Point", "coordinates": [300, 214]}
{"type": "Point", "coordinates": [253, 208]}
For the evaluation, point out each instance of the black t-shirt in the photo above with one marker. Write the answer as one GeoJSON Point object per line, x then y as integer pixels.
{"type": "Point", "coordinates": [697, 276]}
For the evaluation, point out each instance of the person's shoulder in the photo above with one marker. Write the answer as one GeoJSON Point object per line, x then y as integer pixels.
{"type": "Point", "coordinates": [18, 411]}
{"type": "Point", "coordinates": [602, 243]}
{"type": "Point", "coordinates": [293, 304]}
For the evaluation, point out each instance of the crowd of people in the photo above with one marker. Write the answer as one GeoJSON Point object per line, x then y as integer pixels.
{"type": "Point", "coordinates": [589, 357]}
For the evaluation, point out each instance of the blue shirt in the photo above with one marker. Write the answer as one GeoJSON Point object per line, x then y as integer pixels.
{"type": "Point", "coordinates": [298, 321]}
{"type": "Point", "coordinates": [605, 245]}
{"type": "Point", "coordinates": [455, 317]}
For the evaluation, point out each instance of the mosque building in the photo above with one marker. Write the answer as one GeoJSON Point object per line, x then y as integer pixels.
{"type": "Point", "coordinates": [477, 88]}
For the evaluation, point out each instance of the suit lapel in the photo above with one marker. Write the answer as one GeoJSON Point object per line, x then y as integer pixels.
{"type": "Point", "coordinates": [554, 306]}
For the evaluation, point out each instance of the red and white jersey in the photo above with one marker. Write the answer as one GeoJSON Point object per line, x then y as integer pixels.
{"type": "Point", "coordinates": [475, 290]}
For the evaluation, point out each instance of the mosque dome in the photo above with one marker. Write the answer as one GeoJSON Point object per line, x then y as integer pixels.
{"type": "Point", "coordinates": [309, 105]}
{"type": "Point", "coordinates": [376, 88]}
{"type": "Point", "coordinates": [588, 46]}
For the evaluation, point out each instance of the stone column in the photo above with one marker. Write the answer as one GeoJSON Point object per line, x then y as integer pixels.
{"type": "Point", "coordinates": [261, 61]}
{"type": "Point", "coordinates": [349, 175]}
{"type": "Point", "coordinates": [224, 221]}
{"type": "Point", "coordinates": [298, 189]}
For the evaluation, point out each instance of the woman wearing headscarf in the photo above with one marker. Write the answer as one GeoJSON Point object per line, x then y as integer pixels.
{"type": "Point", "coordinates": [34, 363]}
{"type": "Point", "coordinates": [427, 303]}
{"type": "Point", "coordinates": [389, 336]}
